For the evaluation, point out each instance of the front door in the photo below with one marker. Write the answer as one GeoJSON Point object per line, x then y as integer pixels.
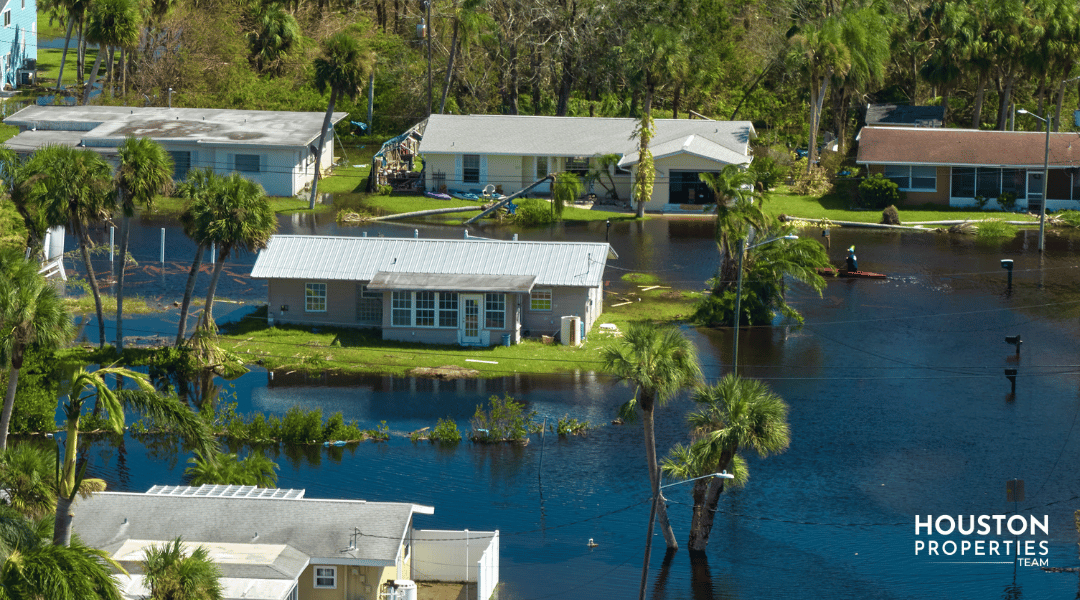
{"type": "Point", "coordinates": [470, 318]}
{"type": "Point", "coordinates": [1035, 189]}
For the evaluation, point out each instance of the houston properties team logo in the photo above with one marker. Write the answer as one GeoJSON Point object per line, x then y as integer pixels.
{"type": "Point", "coordinates": [991, 539]}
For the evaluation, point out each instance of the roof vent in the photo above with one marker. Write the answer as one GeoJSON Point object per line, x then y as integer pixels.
{"type": "Point", "coordinates": [515, 237]}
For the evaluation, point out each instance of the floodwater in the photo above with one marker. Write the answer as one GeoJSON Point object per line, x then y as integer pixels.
{"type": "Point", "coordinates": [900, 410]}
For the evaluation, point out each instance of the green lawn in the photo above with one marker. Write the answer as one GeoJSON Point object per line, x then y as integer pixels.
{"type": "Point", "coordinates": [50, 28]}
{"type": "Point", "coordinates": [49, 65]}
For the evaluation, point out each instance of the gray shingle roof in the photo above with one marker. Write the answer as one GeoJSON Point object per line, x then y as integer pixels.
{"type": "Point", "coordinates": [692, 144]}
{"type": "Point", "coordinates": [360, 258]}
{"type": "Point", "coordinates": [519, 135]}
{"type": "Point", "coordinates": [320, 529]}
{"type": "Point", "coordinates": [109, 125]}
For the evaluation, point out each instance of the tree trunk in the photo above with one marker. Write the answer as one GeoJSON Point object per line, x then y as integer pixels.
{"type": "Point", "coordinates": [675, 102]}
{"type": "Point", "coordinates": [62, 524]}
{"type": "Point", "coordinates": [1040, 93]}
{"type": "Point", "coordinates": [93, 75]}
{"type": "Point", "coordinates": [208, 310]}
{"type": "Point", "coordinates": [980, 95]}
{"type": "Point", "coordinates": [80, 58]}
{"type": "Point", "coordinates": [654, 477]}
{"type": "Point", "coordinates": [9, 401]}
{"type": "Point", "coordinates": [449, 67]}
{"type": "Point", "coordinates": [85, 243]}
{"type": "Point", "coordinates": [700, 491]}
{"type": "Point", "coordinates": [319, 151]}
{"type": "Point", "coordinates": [1003, 104]}
{"type": "Point", "coordinates": [1057, 106]}
{"type": "Point", "coordinates": [702, 527]}
{"type": "Point", "coordinates": [811, 148]}
{"type": "Point", "coordinates": [945, 105]}
{"type": "Point", "coordinates": [566, 84]}
{"type": "Point", "coordinates": [189, 290]}
{"type": "Point", "coordinates": [647, 110]}
{"type": "Point", "coordinates": [63, 56]}
{"type": "Point", "coordinates": [64, 512]}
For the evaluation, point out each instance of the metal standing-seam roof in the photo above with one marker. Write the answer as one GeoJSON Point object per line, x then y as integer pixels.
{"type": "Point", "coordinates": [524, 135]}
{"type": "Point", "coordinates": [361, 258]}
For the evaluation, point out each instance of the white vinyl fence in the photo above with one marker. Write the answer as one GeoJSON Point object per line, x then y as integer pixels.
{"type": "Point", "coordinates": [457, 556]}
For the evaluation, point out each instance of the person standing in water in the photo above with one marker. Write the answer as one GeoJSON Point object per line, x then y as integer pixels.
{"type": "Point", "coordinates": [852, 262]}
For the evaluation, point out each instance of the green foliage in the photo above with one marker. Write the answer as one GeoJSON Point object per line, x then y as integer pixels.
{"type": "Point", "coordinates": [641, 278]}
{"type": "Point", "coordinates": [385, 190]}
{"type": "Point", "coordinates": [35, 399]}
{"type": "Point", "coordinates": [504, 421]}
{"type": "Point", "coordinates": [567, 426]}
{"type": "Point", "coordinates": [806, 182]}
{"type": "Point", "coordinates": [878, 192]}
{"type": "Point", "coordinates": [890, 216]}
{"type": "Point", "coordinates": [995, 229]}
{"type": "Point", "coordinates": [296, 427]}
{"type": "Point", "coordinates": [1007, 201]}
{"type": "Point", "coordinates": [228, 469]}
{"type": "Point", "coordinates": [981, 202]}
{"type": "Point", "coordinates": [533, 212]}
{"type": "Point", "coordinates": [174, 572]}
{"type": "Point", "coordinates": [568, 187]}
{"type": "Point", "coordinates": [1070, 218]}
{"type": "Point", "coordinates": [768, 171]}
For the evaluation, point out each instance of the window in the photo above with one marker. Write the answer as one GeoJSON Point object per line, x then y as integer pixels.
{"type": "Point", "coordinates": [448, 310]}
{"type": "Point", "coordinates": [401, 309]}
{"type": "Point", "coordinates": [368, 305]}
{"type": "Point", "coordinates": [247, 163]}
{"type": "Point", "coordinates": [540, 300]}
{"type": "Point", "coordinates": [1012, 181]}
{"type": "Point", "coordinates": [988, 182]}
{"type": "Point", "coordinates": [181, 163]}
{"type": "Point", "coordinates": [7, 18]}
{"type": "Point", "coordinates": [425, 309]}
{"type": "Point", "coordinates": [913, 178]}
{"type": "Point", "coordinates": [963, 182]}
{"type": "Point", "coordinates": [326, 577]}
{"type": "Point", "coordinates": [315, 297]}
{"type": "Point", "coordinates": [541, 167]}
{"type": "Point", "coordinates": [494, 311]}
{"type": "Point", "coordinates": [578, 165]}
{"type": "Point", "coordinates": [470, 168]}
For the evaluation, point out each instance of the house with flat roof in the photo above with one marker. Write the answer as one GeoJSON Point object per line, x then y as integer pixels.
{"type": "Point", "coordinates": [468, 291]}
{"type": "Point", "coordinates": [953, 167]}
{"type": "Point", "coordinates": [276, 544]}
{"type": "Point", "coordinates": [18, 43]}
{"type": "Point", "coordinates": [275, 149]}
{"type": "Point", "coordinates": [467, 152]}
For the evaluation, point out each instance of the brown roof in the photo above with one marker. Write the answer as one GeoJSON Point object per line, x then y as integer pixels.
{"type": "Point", "coordinates": [966, 147]}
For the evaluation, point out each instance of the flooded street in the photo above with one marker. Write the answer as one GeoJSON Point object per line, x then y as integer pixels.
{"type": "Point", "coordinates": [900, 410]}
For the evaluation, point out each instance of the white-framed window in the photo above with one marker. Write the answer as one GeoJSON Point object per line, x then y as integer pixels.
{"type": "Point", "coordinates": [540, 300]}
{"type": "Point", "coordinates": [401, 309]}
{"type": "Point", "coordinates": [315, 297]}
{"type": "Point", "coordinates": [448, 309]}
{"type": "Point", "coordinates": [913, 179]}
{"type": "Point", "coordinates": [495, 311]}
{"type": "Point", "coordinates": [326, 578]}
{"type": "Point", "coordinates": [470, 168]}
{"type": "Point", "coordinates": [425, 309]}
{"type": "Point", "coordinates": [247, 163]}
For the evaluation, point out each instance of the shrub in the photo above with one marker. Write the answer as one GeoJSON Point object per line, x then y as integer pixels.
{"type": "Point", "coordinates": [567, 426]}
{"type": "Point", "coordinates": [299, 427]}
{"type": "Point", "coordinates": [876, 191]}
{"type": "Point", "coordinates": [445, 432]}
{"type": "Point", "coordinates": [995, 229]}
{"type": "Point", "coordinates": [533, 213]}
{"type": "Point", "coordinates": [1007, 201]}
{"type": "Point", "coordinates": [385, 190]}
{"type": "Point", "coordinates": [504, 421]}
{"type": "Point", "coordinates": [981, 202]}
{"type": "Point", "coordinates": [1070, 218]}
{"type": "Point", "coordinates": [890, 216]}
{"type": "Point", "coordinates": [767, 171]}
{"type": "Point", "coordinates": [817, 182]}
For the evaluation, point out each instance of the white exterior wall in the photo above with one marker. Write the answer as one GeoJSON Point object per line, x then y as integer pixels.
{"type": "Point", "coordinates": [457, 556]}
{"type": "Point", "coordinates": [283, 171]}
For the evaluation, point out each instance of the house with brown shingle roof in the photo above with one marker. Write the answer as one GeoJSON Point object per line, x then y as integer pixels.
{"type": "Point", "coordinates": [953, 167]}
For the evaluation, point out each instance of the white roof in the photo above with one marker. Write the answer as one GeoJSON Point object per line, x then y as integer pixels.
{"type": "Point", "coordinates": [223, 491]}
{"type": "Point", "coordinates": [233, 588]}
{"type": "Point", "coordinates": [361, 258]}
{"type": "Point", "coordinates": [693, 144]}
{"type": "Point", "coordinates": [520, 135]}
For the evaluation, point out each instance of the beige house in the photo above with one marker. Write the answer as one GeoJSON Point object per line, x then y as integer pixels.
{"type": "Point", "coordinates": [509, 152]}
{"type": "Point", "coordinates": [275, 544]}
{"type": "Point", "coordinates": [470, 292]}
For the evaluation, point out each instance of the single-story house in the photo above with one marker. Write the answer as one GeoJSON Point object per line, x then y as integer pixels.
{"type": "Point", "coordinates": [468, 291]}
{"type": "Point", "coordinates": [275, 149]}
{"type": "Point", "coordinates": [18, 44]}
{"type": "Point", "coordinates": [952, 167]}
{"type": "Point", "coordinates": [904, 115]}
{"type": "Point", "coordinates": [275, 544]}
{"type": "Point", "coordinates": [466, 152]}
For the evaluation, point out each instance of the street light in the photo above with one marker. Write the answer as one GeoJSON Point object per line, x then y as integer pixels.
{"type": "Point", "coordinates": [1046, 179]}
{"type": "Point", "coordinates": [652, 517]}
{"type": "Point", "coordinates": [738, 292]}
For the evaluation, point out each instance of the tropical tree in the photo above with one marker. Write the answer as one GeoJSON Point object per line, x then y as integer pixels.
{"type": "Point", "coordinates": [342, 67]}
{"type": "Point", "coordinates": [165, 411]}
{"type": "Point", "coordinates": [28, 474]}
{"type": "Point", "coordinates": [736, 213]}
{"type": "Point", "coordinates": [31, 312]}
{"type": "Point", "coordinates": [469, 22]}
{"type": "Point", "coordinates": [176, 572]}
{"type": "Point", "coordinates": [73, 187]}
{"type": "Point", "coordinates": [276, 34]}
{"type": "Point", "coordinates": [238, 218]}
{"type": "Point", "coordinates": [600, 168]}
{"type": "Point", "coordinates": [110, 24]}
{"type": "Point", "coordinates": [568, 186]}
{"type": "Point", "coordinates": [645, 175]}
{"type": "Point", "coordinates": [228, 469]}
{"type": "Point", "coordinates": [76, 14]}
{"type": "Point", "coordinates": [820, 53]}
{"type": "Point", "coordinates": [145, 170]}
{"type": "Point", "coordinates": [200, 189]}
{"type": "Point", "coordinates": [658, 361]}
{"type": "Point", "coordinates": [735, 414]}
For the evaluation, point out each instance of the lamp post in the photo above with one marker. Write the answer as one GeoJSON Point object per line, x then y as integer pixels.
{"type": "Point", "coordinates": [738, 292]}
{"type": "Point", "coordinates": [652, 517]}
{"type": "Point", "coordinates": [1046, 179]}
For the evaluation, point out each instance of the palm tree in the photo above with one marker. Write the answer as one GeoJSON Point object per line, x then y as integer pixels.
{"type": "Point", "coordinates": [76, 13]}
{"type": "Point", "coordinates": [28, 476]}
{"type": "Point", "coordinates": [343, 67]}
{"type": "Point", "coordinates": [820, 53]}
{"type": "Point", "coordinates": [200, 188]}
{"type": "Point", "coordinates": [736, 212]}
{"type": "Point", "coordinates": [568, 186]}
{"type": "Point", "coordinates": [239, 218]}
{"type": "Point", "coordinates": [31, 313]}
{"type": "Point", "coordinates": [469, 21]}
{"type": "Point", "coordinates": [173, 573]}
{"type": "Point", "coordinates": [164, 411]}
{"type": "Point", "coordinates": [110, 24]}
{"type": "Point", "coordinates": [659, 361]}
{"type": "Point", "coordinates": [227, 469]}
{"type": "Point", "coordinates": [736, 413]}
{"type": "Point", "coordinates": [145, 170]}
{"type": "Point", "coordinates": [73, 187]}
{"type": "Point", "coordinates": [276, 34]}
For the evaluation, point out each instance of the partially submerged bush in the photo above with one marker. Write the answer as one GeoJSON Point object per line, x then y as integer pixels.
{"type": "Point", "coordinates": [504, 421]}
{"type": "Point", "coordinates": [890, 216]}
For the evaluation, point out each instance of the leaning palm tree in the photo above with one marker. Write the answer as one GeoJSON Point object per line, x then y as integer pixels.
{"type": "Point", "coordinates": [111, 24]}
{"type": "Point", "coordinates": [239, 218]}
{"type": "Point", "coordinates": [145, 170]}
{"type": "Point", "coordinates": [735, 414]}
{"type": "Point", "coordinates": [342, 67]}
{"type": "Point", "coordinates": [165, 411]}
{"type": "Point", "coordinates": [174, 573]}
{"type": "Point", "coordinates": [200, 189]}
{"type": "Point", "coordinates": [31, 314]}
{"type": "Point", "coordinates": [74, 187]}
{"type": "Point", "coordinates": [658, 361]}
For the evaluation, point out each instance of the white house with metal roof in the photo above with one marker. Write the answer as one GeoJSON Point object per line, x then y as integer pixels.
{"type": "Point", "coordinates": [466, 291]}
{"type": "Point", "coordinates": [279, 545]}
{"type": "Point", "coordinates": [467, 152]}
{"type": "Point", "coordinates": [276, 149]}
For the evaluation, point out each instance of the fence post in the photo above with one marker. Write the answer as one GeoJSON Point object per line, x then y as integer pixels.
{"type": "Point", "coordinates": [162, 246]}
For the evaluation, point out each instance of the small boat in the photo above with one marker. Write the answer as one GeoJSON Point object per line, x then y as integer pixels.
{"type": "Point", "coordinates": [852, 274]}
{"type": "Point", "coordinates": [437, 195]}
{"type": "Point", "coordinates": [464, 195]}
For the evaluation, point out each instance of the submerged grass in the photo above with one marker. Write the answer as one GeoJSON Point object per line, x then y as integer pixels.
{"type": "Point", "coordinates": [995, 229]}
